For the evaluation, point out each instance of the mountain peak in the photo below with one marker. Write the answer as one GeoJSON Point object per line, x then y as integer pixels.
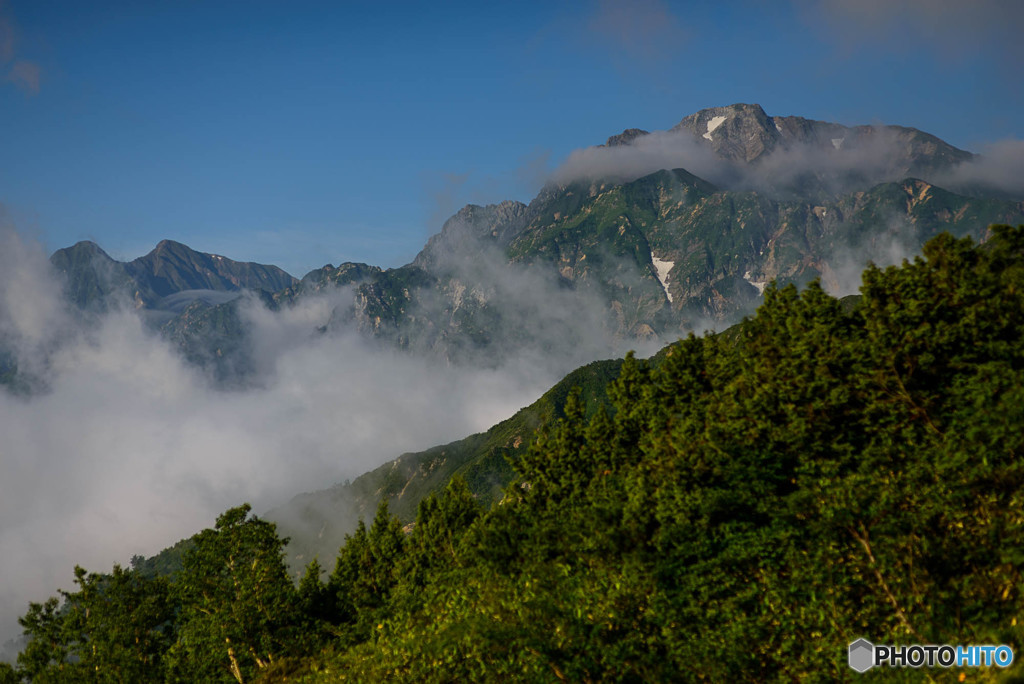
{"type": "Point", "coordinates": [165, 247]}
{"type": "Point", "coordinates": [626, 137]}
{"type": "Point", "coordinates": [738, 109]}
{"type": "Point", "coordinates": [79, 250]}
{"type": "Point", "coordinates": [467, 232]}
{"type": "Point", "coordinates": [173, 267]}
{"type": "Point", "coordinates": [744, 134]}
{"type": "Point", "coordinates": [90, 274]}
{"type": "Point", "coordinates": [738, 132]}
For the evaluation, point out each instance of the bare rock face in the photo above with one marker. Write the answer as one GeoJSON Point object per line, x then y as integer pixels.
{"type": "Point", "coordinates": [626, 137]}
{"type": "Point", "coordinates": [173, 267]}
{"type": "Point", "coordinates": [737, 133]}
{"type": "Point", "coordinates": [470, 231]}
{"type": "Point", "coordinates": [744, 134]}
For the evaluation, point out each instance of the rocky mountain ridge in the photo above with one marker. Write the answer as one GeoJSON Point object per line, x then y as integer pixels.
{"type": "Point", "coordinates": [600, 265]}
{"type": "Point", "coordinates": [93, 277]}
{"type": "Point", "coordinates": [745, 133]}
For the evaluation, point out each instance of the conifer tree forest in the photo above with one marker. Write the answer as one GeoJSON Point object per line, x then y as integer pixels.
{"type": "Point", "coordinates": [742, 507]}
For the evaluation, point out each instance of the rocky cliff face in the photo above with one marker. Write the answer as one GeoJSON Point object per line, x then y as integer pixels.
{"type": "Point", "coordinates": [737, 133]}
{"type": "Point", "coordinates": [715, 250]}
{"type": "Point", "coordinates": [327, 277]}
{"type": "Point", "coordinates": [653, 257]}
{"type": "Point", "coordinates": [625, 137]}
{"type": "Point", "coordinates": [796, 157]}
{"type": "Point", "coordinates": [744, 133]}
{"type": "Point", "coordinates": [472, 232]}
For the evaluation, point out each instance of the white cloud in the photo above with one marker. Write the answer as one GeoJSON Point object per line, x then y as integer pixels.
{"type": "Point", "coordinates": [130, 449]}
{"type": "Point", "coordinates": [999, 165]}
{"type": "Point", "coordinates": [647, 154]}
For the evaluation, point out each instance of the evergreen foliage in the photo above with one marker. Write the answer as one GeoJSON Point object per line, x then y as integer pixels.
{"type": "Point", "coordinates": [744, 509]}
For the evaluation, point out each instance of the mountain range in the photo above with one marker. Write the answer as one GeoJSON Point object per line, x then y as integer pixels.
{"type": "Point", "coordinates": [158, 279]}
{"type": "Point", "coordinates": [636, 241]}
{"type": "Point", "coordinates": [631, 242]}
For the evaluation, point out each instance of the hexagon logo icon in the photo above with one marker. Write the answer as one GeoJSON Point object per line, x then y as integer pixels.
{"type": "Point", "coordinates": [862, 655]}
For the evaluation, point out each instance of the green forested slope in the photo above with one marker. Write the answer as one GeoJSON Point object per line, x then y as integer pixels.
{"type": "Point", "coordinates": [741, 512]}
{"type": "Point", "coordinates": [318, 522]}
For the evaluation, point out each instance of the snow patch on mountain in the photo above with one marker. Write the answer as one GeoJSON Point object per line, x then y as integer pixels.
{"type": "Point", "coordinates": [663, 266]}
{"type": "Point", "coordinates": [713, 123]}
{"type": "Point", "coordinates": [759, 284]}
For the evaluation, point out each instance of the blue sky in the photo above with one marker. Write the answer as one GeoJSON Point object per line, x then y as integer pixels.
{"type": "Point", "coordinates": [303, 133]}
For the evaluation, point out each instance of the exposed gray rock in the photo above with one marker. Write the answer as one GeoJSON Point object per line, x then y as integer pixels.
{"type": "Point", "coordinates": [626, 137]}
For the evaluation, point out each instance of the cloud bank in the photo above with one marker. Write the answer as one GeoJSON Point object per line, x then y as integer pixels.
{"type": "Point", "coordinates": [999, 166]}
{"type": "Point", "coordinates": [129, 449]}
{"type": "Point", "coordinates": [865, 156]}
{"type": "Point", "coordinates": [647, 154]}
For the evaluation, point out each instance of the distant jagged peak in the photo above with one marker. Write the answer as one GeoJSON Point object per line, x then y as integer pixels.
{"type": "Point", "coordinates": [85, 245]}
{"type": "Point", "coordinates": [745, 133]}
{"type": "Point", "coordinates": [91, 276]}
{"type": "Point", "coordinates": [174, 267]}
{"type": "Point", "coordinates": [679, 178]}
{"type": "Point", "coordinates": [346, 273]}
{"type": "Point", "coordinates": [166, 244]}
{"type": "Point", "coordinates": [81, 249]}
{"type": "Point", "coordinates": [626, 137]}
{"type": "Point", "coordinates": [475, 213]}
{"type": "Point", "coordinates": [470, 229]}
{"type": "Point", "coordinates": [742, 111]}
{"type": "Point", "coordinates": [797, 128]}
{"type": "Point", "coordinates": [739, 132]}
{"type": "Point", "coordinates": [172, 249]}
{"type": "Point", "coordinates": [179, 250]}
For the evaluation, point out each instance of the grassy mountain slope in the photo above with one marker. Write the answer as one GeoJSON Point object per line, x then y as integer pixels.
{"type": "Point", "coordinates": [317, 522]}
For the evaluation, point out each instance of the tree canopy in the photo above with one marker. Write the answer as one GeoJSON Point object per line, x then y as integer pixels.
{"type": "Point", "coordinates": [749, 505]}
